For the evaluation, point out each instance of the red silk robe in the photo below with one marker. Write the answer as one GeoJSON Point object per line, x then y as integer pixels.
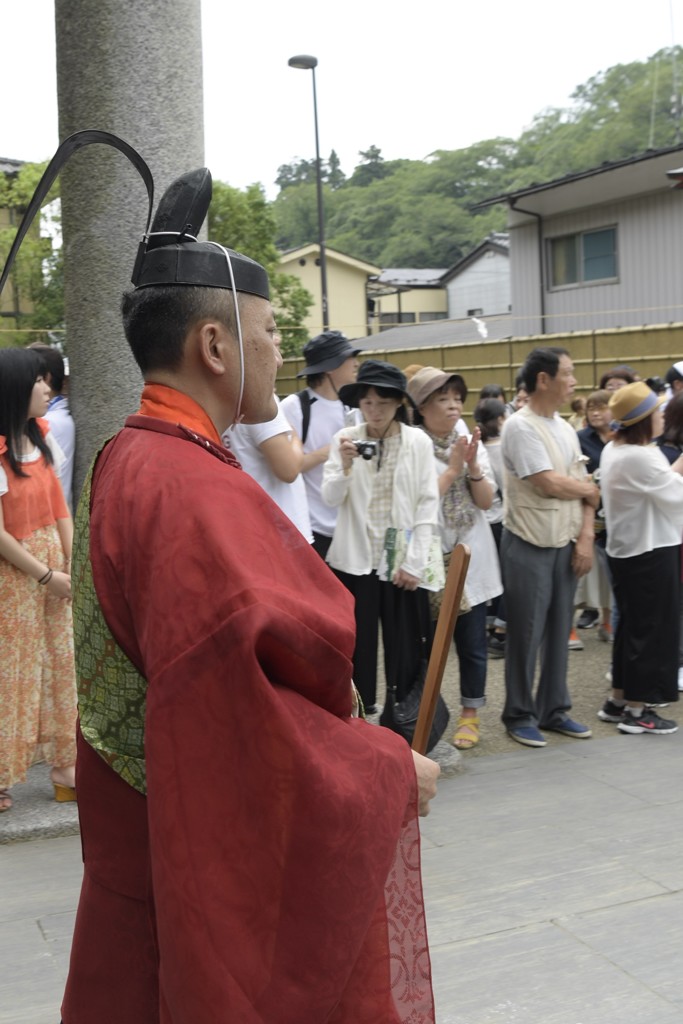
{"type": "Point", "coordinates": [271, 874]}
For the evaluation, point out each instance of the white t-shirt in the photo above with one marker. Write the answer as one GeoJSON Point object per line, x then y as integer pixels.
{"type": "Point", "coordinates": [327, 417]}
{"type": "Point", "coordinates": [525, 454]}
{"type": "Point", "coordinates": [642, 498]}
{"type": "Point", "coordinates": [62, 425]}
{"type": "Point", "coordinates": [244, 441]}
{"type": "Point", "coordinates": [494, 451]}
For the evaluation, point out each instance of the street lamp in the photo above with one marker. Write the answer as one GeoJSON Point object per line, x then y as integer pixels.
{"type": "Point", "coordinates": [308, 63]}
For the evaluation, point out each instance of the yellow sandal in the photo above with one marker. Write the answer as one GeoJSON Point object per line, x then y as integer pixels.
{"type": "Point", "coordinates": [466, 734]}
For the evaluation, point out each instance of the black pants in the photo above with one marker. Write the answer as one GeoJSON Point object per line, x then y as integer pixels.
{"type": "Point", "coordinates": [404, 615]}
{"type": "Point", "coordinates": [647, 591]}
{"type": "Point", "coordinates": [321, 544]}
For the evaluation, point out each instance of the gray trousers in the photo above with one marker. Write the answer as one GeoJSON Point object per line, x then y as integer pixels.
{"type": "Point", "coordinates": [539, 600]}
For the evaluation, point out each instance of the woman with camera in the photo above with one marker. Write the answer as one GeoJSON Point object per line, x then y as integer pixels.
{"type": "Point", "coordinates": [380, 475]}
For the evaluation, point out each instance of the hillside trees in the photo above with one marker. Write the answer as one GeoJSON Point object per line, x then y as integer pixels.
{"type": "Point", "coordinates": [418, 212]}
{"type": "Point", "coordinates": [244, 221]}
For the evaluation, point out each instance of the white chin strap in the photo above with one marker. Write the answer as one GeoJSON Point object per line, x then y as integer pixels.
{"type": "Point", "coordinates": [240, 345]}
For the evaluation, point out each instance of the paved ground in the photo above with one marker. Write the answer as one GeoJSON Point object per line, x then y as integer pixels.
{"type": "Point", "coordinates": [553, 879]}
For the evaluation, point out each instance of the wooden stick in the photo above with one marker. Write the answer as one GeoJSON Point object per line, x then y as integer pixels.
{"type": "Point", "coordinates": [448, 614]}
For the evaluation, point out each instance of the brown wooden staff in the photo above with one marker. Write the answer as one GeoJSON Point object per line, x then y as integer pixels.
{"type": "Point", "coordinates": [448, 614]}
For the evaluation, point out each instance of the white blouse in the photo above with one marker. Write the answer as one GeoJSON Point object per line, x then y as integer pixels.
{"type": "Point", "coordinates": [642, 498]}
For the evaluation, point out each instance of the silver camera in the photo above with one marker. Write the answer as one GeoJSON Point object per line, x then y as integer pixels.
{"type": "Point", "coordinates": [366, 449]}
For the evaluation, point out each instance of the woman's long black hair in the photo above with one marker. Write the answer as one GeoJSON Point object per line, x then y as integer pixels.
{"type": "Point", "coordinates": [19, 370]}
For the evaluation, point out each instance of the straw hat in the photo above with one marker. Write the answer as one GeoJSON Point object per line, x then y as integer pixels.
{"type": "Point", "coordinates": [633, 403]}
{"type": "Point", "coordinates": [426, 381]}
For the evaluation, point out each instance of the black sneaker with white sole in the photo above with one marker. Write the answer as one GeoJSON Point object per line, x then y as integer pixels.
{"type": "Point", "coordinates": [649, 721]}
{"type": "Point", "coordinates": [611, 712]}
{"type": "Point", "coordinates": [588, 618]}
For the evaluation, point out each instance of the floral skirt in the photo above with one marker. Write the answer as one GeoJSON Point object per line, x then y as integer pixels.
{"type": "Point", "coordinates": [37, 676]}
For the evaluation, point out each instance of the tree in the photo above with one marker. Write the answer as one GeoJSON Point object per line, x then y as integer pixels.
{"type": "Point", "coordinates": [296, 215]}
{"type": "Point", "coordinates": [244, 221]}
{"type": "Point", "coordinates": [298, 172]}
{"type": "Point", "coordinates": [303, 172]}
{"type": "Point", "coordinates": [36, 282]}
{"type": "Point", "coordinates": [371, 168]}
{"type": "Point", "coordinates": [335, 175]}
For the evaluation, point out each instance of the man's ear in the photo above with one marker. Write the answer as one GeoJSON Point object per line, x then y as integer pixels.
{"type": "Point", "coordinates": [213, 343]}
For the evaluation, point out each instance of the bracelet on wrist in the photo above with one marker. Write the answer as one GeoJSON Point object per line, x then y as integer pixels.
{"type": "Point", "coordinates": [476, 479]}
{"type": "Point", "coordinates": [44, 580]}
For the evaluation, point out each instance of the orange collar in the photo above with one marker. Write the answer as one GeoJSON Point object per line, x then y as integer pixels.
{"type": "Point", "coordinates": [165, 403]}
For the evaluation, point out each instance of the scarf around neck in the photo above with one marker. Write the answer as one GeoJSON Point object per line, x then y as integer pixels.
{"type": "Point", "coordinates": [459, 510]}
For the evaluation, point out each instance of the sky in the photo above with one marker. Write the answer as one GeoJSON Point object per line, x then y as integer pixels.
{"type": "Point", "coordinates": [387, 75]}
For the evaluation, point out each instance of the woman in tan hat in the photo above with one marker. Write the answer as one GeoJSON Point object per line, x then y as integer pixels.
{"type": "Point", "coordinates": [643, 500]}
{"type": "Point", "coordinates": [466, 487]}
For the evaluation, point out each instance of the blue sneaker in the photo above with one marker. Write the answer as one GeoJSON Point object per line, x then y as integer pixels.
{"type": "Point", "coordinates": [527, 735]}
{"type": "Point", "coordinates": [568, 727]}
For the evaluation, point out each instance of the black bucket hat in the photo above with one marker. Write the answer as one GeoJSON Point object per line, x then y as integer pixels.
{"type": "Point", "coordinates": [374, 374]}
{"type": "Point", "coordinates": [326, 352]}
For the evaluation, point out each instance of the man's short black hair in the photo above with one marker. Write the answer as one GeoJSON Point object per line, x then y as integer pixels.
{"type": "Point", "coordinates": [541, 360]}
{"type": "Point", "coordinates": [492, 391]}
{"type": "Point", "coordinates": [156, 320]}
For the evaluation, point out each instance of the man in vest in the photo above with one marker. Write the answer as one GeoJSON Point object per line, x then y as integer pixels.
{"type": "Point", "coordinates": [316, 414]}
{"type": "Point", "coordinates": [547, 545]}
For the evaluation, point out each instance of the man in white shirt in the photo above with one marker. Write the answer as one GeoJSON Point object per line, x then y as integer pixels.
{"type": "Point", "coordinates": [271, 453]}
{"type": "Point", "coordinates": [316, 414]}
{"type": "Point", "coordinates": [546, 546]}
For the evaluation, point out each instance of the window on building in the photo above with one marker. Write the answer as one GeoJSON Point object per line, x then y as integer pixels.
{"type": "Point", "coordinates": [389, 320]}
{"type": "Point", "coordinates": [583, 258]}
{"type": "Point", "coordinates": [475, 312]}
{"type": "Point", "coordinates": [425, 317]}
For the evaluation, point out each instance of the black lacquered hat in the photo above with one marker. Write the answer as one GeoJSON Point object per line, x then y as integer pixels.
{"type": "Point", "coordinates": [171, 255]}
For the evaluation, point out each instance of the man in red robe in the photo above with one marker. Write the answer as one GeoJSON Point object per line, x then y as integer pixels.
{"type": "Point", "coordinates": [251, 848]}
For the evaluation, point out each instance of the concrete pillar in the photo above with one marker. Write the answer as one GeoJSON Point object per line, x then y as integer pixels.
{"type": "Point", "coordinates": [133, 68]}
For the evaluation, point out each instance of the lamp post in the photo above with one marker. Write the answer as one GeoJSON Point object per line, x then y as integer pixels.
{"type": "Point", "coordinates": [308, 63]}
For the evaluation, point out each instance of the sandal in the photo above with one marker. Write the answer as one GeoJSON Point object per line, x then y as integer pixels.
{"type": "Point", "coordinates": [63, 793]}
{"type": "Point", "coordinates": [467, 733]}
{"type": "Point", "coordinates": [5, 801]}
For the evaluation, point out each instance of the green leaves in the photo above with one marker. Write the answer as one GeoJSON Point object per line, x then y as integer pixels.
{"type": "Point", "coordinates": [245, 221]}
{"type": "Point", "coordinates": [35, 285]}
{"type": "Point", "coordinates": [416, 213]}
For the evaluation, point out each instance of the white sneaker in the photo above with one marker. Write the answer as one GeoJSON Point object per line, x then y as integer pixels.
{"type": "Point", "coordinates": [680, 678]}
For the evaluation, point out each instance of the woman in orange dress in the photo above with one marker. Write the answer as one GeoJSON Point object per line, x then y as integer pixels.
{"type": "Point", "coordinates": [37, 681]}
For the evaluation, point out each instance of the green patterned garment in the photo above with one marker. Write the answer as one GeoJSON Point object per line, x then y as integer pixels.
{"type": "Point", "coordinates": [111, 692]}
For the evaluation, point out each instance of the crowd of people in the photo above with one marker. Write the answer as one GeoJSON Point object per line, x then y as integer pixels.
{"type": "Point", "coordinates": [381, 475]}
{"type": "Point", "coordinates": [522, 489]}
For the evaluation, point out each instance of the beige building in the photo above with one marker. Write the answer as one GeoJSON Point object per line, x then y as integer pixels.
{"type": "Point", "coordinates": [406, 295]}
{"type": "Point", "coordinates": [347, 284]}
